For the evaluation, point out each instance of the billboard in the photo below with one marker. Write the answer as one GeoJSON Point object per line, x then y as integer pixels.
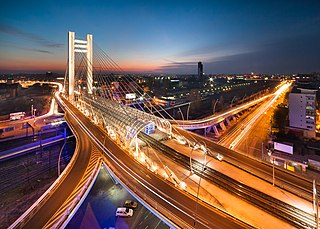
{"type": "Point", "coordinates": [283, 147]}
{"type": "Point", "coordinates": [131, 96]}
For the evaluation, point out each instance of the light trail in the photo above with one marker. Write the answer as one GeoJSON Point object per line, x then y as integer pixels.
{"type": "Point", "coordinates": [276, 95]}
{"type": "Point", "coordinates": [218, 118]}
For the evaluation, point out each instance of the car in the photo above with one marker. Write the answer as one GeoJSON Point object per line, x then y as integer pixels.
{"type": "Point", "coordinates": [130, 204]}
{"type": "Point", "coordinates": [124, 212]}
{"type": "Point", "coordinates": [219, 157]}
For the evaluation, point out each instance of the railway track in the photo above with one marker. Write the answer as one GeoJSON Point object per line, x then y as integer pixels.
{"type": "Point", "coordinates": [278, 208]}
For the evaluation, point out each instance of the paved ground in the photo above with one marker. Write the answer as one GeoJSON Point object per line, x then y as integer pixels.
{"type": "Point", "coordinates": [98, 209]}
{"type": "Point", "coordinates": [224, 200]}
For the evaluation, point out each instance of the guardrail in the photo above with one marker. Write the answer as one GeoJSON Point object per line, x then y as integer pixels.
{"type": "Point", "coordinates": [151, 204]}
{"type": "Point", "coordinates": [64, 217]}
{"type": "Point", "coordinates": [4, 155]}
{"type": "Point", "coordinates": [215, 119]}
{"type": "Point", "coordinates": [23, 219]}
{"type": "Point", "coordinates": [148, 201]}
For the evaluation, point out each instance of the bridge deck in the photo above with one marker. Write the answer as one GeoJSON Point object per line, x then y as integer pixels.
{"type": "Point", "coordinates": [74, 179]}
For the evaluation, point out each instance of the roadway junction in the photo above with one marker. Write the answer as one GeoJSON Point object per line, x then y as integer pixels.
{"type": "Point", "coordinates": [111, 132]}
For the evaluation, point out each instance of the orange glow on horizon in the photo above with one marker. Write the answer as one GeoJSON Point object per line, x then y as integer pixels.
{"type": "Point", "coordinates": [58, 66]}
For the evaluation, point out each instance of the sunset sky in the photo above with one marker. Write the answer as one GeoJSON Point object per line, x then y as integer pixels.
{"type": "Point", "coordinates": [165, 36]}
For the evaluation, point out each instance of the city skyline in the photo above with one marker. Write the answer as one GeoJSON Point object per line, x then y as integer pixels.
{"type": "Point", "coordinates": [166, 37]}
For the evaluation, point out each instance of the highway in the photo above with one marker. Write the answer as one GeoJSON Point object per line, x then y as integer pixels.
{"type": "Point", "coordinates": [286, 212]}
{"type": "Point", "coordinates": [180, 204]}
{"type": "Point", "coordinates": [48, 207]}
{"type": "Point", "coordinates": [285, 179]}
{"type": "Point", "coordinates": [98, 209]}
{"type": "Point", "coordinates": [216, 118]}
{"type": "Point", "coordinates": [230, 137]}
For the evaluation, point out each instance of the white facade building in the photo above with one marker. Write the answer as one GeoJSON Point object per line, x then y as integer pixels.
{"type": "Point", "coordinates": [302, 110]}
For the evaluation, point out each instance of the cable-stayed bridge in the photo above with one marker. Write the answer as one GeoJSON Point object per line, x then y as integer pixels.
{"type": "Point", "coordinates": [109, 112]}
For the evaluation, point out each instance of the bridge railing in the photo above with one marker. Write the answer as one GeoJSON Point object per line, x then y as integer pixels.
{"type": "Point", "coordinates": [150, 203]}
{"type": "Point", "coordinates": [214, 119]}
{"type": "Point", "coordinates": [64, 217]}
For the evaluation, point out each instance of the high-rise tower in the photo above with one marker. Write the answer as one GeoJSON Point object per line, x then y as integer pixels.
{"type": "Point", "coordinates": [200, 70]}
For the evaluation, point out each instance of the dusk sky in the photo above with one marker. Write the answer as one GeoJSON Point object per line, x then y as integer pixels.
{"type": "Point", "coordinates": [165, 36]}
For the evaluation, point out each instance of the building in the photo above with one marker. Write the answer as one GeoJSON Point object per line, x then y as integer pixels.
{"type": "Point", "coordinates": [9, 90]}
{"type": "Point", "coordinates": [200, 70]}
{"type": "Point", "coordinates": [302, 110]}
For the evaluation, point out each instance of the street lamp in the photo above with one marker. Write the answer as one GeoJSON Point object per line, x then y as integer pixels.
{"type": "Point", "coordinates": [188, 110]}
{"type": "Point", "coordinates": [60, 157]}
{"type": "Point", "coordinates": [232, 100]}
{"type": "Point", "coordinates": [261, 146]}
{"type": "Point", "coordinates": [181, 114]}
{"type": "Point", "coordinates": [214, 106]}
{"type": "Point", "coordinates": [315, 203]}
{"type": "Point", "coordinates": [204, 167]}
{"type": "Point", "coordinates": [273, 178]}
{"type": "Point", "coordinates": [205, 151]}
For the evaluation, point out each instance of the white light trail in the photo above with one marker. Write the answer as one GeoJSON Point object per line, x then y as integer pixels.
{"type": "Point", "coordinates": [276, 95]}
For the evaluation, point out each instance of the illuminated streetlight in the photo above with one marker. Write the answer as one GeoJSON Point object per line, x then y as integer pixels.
{"type": "Point", "coordinates": [204, 167]}
{"type": "Point", "coordinates": [60, 157]}
{"type": "Point", "coordinates": [214, 106]}
{"type": "Point", "coordinates": [232, 100]}
{"type": "Point", "coordinates": [188, 110]}
{"type": "Point", "coordinates": [181, 113]}
{"type": "Point", "coordinates": [273, 178]}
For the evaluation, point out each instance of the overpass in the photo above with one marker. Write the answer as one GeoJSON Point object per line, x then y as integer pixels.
{"type": "Point", "coordinates": [107, 131]}
{"type": "Point", "coordinates": [221, 119]}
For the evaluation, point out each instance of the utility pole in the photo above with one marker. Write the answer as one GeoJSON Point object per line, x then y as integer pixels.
{"type": "Point", "coordinates": [188, 110]}
{"type": "Point", "coordinates": [204, 167]}
{"type": "Point", "coordinates": [181, 114]}
{"type": "Point", "coordinates": [315, 204]}
{"type": "Point", "coordinates": [273, 178]}
{"type": "Point", "coordinates": [273, 171]}
{"type": "Point", "coordinates": [60, 157]}
{"type": "Point", "coordinates": [214, 106]}
{"type": "Point", "coordinates": [262, 151]}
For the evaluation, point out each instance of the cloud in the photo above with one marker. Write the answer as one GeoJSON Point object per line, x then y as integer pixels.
{"type": "Point", "coordinates": [13, 45]}
{"type": "Point", "coordinates": [30, 36]}
{"type": "Point", "coordinates": [38, 50]}
{"type": "Point", "coordinates": [182, 67]}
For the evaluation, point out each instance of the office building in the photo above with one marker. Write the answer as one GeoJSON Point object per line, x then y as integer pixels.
{"type": "Point", "coordinates": [200, 70]}
{"type": "Point", "coordinates": [302, 110]}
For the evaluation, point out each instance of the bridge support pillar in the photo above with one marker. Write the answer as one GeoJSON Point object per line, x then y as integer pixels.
{"type": "Point", "coordinates": [207, 130]}
{"type": "Point", "coordinates": [215, 129]}
{"type": "Point", "coordinates": [228, 121]}
{"type": "Point", "coordinates": [223, 127]}
{"type": "Point", "coordinates": [234, 118]}
{"type": "Point", "coordinates": [79, 46]}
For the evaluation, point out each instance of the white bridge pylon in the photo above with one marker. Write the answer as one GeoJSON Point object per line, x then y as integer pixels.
{"type": "Point", "coordinates": [122, 122]}
{"type": "Point", "coordinates": [79, 46]}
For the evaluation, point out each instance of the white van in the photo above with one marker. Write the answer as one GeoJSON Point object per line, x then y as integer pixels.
{"type": "Point", "coordinates": [124, 212]}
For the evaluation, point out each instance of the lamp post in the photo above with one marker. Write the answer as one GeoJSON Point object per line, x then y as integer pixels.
{"type": "Point", "coordinates": [205, 151]}
{"type": "Point", "coordinates": [188, 110]}
{"type": "Point", "coordinates": [181, 113]}
{"type": "Point", "coordinates": [232, 100]}
{"type": "Point", "coordinates": [214, 106]}
{"type": "Point", "coordinates": [261, 146]}
{"type": "Point", "coordinates": [315, 203]}
{"type": "Point", "coordinates": [204, 167]}
{"type": "Point", "coordinates": [60, 157]}
{"type": "Point", "coordinates": [273, 178]}
{"type": "Point", "coordinates": [191, 160]}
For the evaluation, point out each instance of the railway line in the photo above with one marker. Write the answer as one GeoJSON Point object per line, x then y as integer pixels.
{"type": "Point", "coordinates": [292, 215]}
